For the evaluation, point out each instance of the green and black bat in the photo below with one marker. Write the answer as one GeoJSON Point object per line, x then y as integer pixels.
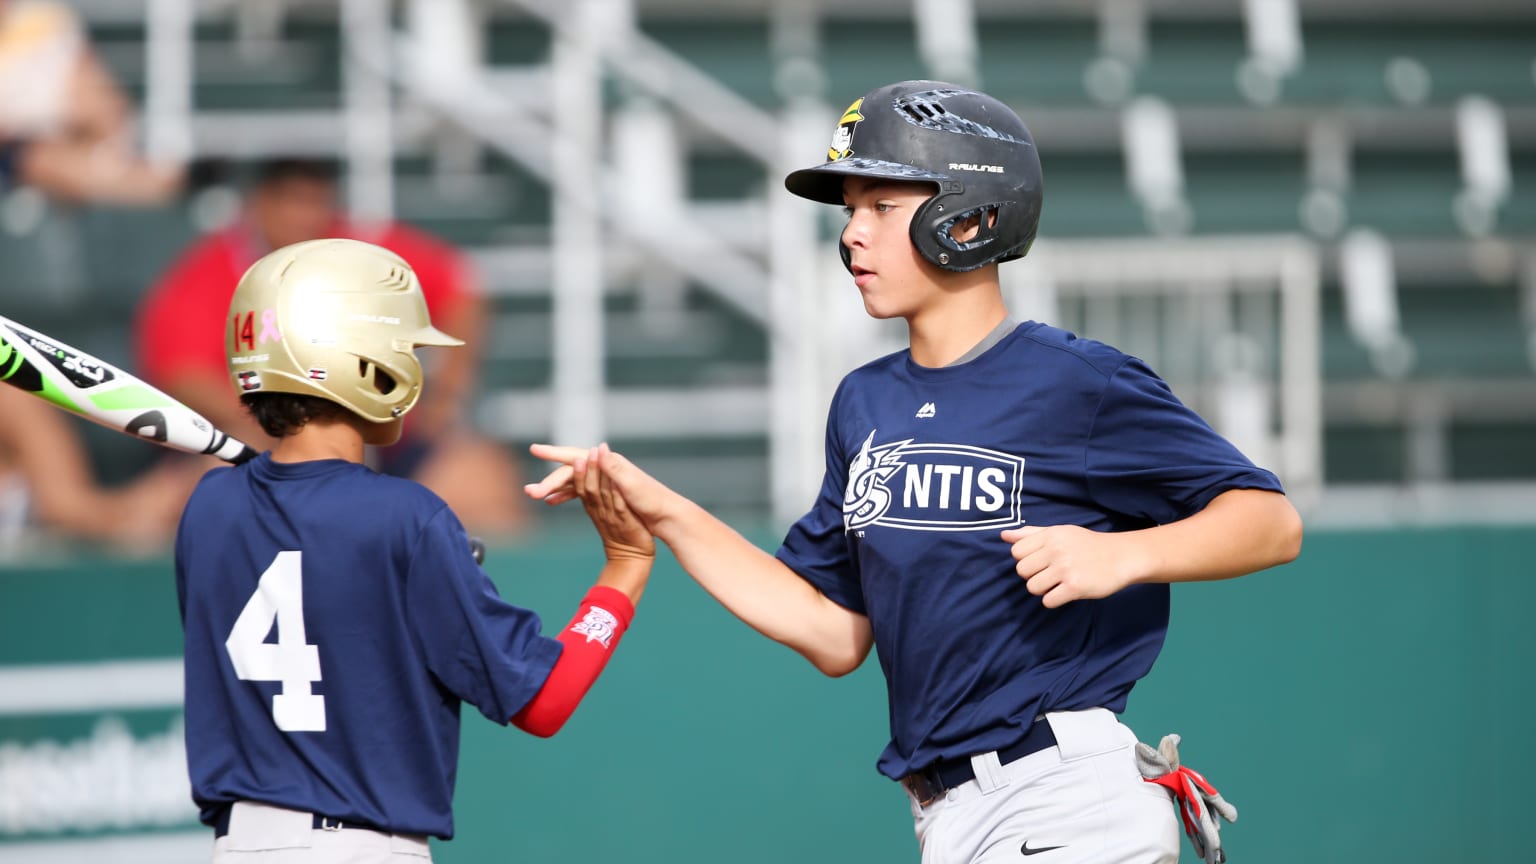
{"type": "Point", "coordinates": [102, 393]}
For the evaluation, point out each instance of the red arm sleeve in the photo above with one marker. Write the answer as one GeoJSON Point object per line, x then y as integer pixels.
{"type": "Point", "coordinates": [589, 641]}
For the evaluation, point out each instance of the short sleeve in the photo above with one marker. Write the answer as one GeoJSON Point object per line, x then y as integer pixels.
{"type": "Point", "coordinates": [484, 650]}
{"type": "Point", "coordinates": [817, 546]}
{"type": "Point", "coordinates": [1150, 457]}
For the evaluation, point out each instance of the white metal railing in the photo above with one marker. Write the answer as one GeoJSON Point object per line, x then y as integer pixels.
{"type": "Point", "coordinates": [1232, 323]}
{"type": "Point", "coordinates": [550, 122]}
{"type": "Point", "coordinates": [792, 294]}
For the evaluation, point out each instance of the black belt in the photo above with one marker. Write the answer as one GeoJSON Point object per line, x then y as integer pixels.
{"type": "Point", "coordinates": [319, 822]}
{"type": "Point", "coordinates": [932, 782]}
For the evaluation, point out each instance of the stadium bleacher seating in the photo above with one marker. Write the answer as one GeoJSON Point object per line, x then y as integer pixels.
{"type": "Point", "coordinates": [1246, 170]}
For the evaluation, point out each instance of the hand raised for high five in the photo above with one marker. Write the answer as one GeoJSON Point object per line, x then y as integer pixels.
{"type": "Point", "coordinates": [624, 536]}
{"type": "Point", "coordinates": [643, 496]}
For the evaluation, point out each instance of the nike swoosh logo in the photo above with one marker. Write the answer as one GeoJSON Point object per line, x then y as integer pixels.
{"type": "Point", "coordinates": [1038, 849]}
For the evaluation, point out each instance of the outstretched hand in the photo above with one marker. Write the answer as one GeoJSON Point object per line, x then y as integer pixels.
{"type": "Point", "coordinates": [558, 486]}
{"type": "Point", "coordinates": [624, 536]}
{"type": "Point", "coordinates": [1062, 563]}
{"type": "Point", "coordinates": [643, 495]}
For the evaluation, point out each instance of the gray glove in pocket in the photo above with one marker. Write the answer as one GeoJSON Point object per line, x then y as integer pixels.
{"type": "Point", "coordinates": [1199, 802]}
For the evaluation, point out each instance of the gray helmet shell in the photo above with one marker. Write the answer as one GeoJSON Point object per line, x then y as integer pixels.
{"type": "Point", "coordinates": [974, 149]}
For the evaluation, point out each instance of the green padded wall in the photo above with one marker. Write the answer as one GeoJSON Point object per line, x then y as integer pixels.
{"type": "Point", "coordinates": [1368, 702]}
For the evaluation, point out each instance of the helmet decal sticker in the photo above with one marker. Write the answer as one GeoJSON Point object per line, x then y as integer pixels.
{"type": "Point", "coordinates": [244, 329]}
{"type": "Point", "coordinates": [269, 331]}
{"type": "Point", "coordinates": [842, 138]}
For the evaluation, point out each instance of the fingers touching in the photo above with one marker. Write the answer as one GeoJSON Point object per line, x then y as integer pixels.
{"type": "Point", "coordinates": [558, 486]}
{"type": "Point", "coordinates": [623, 534]}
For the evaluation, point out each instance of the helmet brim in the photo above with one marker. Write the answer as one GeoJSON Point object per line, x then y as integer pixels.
{"type": "Point", "coordinates": [824, 183]}
{"type": "Point", "coordinates": [434, 336]}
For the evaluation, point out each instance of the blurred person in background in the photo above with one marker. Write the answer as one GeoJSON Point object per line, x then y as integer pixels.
{"type": "Point", "coordinates": [67, 131]}
{"type": "Point", "coordinates": [66, 126]}
{"type": "Point", "coordinates": [47, 485]}
{"type": "Point", "coordinates": [181, 327]}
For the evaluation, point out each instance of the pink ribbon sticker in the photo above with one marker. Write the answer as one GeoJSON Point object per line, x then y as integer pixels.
{"type": "Point", "coordinates": [269, 326]}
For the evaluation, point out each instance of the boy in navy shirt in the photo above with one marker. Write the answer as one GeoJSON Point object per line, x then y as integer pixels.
{"type": "Point", "coordinates": [335, 618]}
{"type": "Point", "coordinates": [1004, 507]}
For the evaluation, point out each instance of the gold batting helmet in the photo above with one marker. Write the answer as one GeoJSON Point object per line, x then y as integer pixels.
{"type": "Point", "coordinates": [337, 319]}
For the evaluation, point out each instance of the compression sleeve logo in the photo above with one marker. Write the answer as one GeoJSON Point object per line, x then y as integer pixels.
{"type": "Point", "coordinates": [598, 625]}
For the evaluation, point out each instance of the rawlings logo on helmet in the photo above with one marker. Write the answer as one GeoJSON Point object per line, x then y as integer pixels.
{"type": "Point", "coordinates": [842, 138]}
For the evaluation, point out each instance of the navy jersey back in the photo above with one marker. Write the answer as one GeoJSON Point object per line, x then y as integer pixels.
{"type": "Point", "coordinates": [334, 621]}
{"type": "Point", "coordinates": [925, 467]}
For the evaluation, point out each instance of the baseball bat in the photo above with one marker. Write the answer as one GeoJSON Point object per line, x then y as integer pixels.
{"type": "Point", "coordinates": [102, 393]}
{"type": "Point", "coordinates": [92, 388]}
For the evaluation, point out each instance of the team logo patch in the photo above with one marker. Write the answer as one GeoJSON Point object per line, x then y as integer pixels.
{"type": "Point", "coordinates": [932, 487]}
{"type": "Point", "coordinates": [598, 625]}
{"type": "Point", "coordinates": [250, 380]}
{"type": "Point", "coordinates": [842, 138]}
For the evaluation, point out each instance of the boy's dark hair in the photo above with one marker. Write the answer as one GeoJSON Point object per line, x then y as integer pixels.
{"type": "Point", "coordinates": [283, 414]}
{"type": "Point", "coordinates": [272, 172]}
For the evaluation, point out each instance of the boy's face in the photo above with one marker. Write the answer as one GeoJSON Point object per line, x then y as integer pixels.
{"type": "Point", "coordinates": [893, 278]}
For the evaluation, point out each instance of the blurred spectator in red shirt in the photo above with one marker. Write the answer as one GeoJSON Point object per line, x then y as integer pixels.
{"type": "Point", "coordinates": [66, 127]}
{"type": "Point", "coordinates": [181, 325]}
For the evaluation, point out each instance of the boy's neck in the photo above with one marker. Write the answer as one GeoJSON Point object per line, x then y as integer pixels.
{"type": "Point", "coordinates": [319, 439]}
{"type": "Point", "coordinates": [943, 332]}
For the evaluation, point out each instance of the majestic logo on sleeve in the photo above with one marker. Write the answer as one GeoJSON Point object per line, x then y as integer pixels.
{"type": "Point", "coordinates": [932, 487]}
{"type": "Point", "coordinates": [598, 625]}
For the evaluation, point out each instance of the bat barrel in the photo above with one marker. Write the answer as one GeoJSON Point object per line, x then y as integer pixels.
{"type": "Point", "coordinates": [102, 393]}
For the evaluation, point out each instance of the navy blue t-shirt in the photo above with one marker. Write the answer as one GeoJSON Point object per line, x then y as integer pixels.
{"type": "Point", "coordinates": [334, 621]}
{"type": "Point", "coordinates": [926, 466]}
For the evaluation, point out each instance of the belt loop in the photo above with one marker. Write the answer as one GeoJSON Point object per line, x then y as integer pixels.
{"type": "Point", "coordinates": [989, 771]}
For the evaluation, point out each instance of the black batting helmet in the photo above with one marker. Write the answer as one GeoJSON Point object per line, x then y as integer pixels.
{"type": "Point", "coordinates": [972, 147]}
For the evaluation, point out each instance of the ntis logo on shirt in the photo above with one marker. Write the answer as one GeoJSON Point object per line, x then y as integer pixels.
{"type": "Point", "coordinates": [932, 487]}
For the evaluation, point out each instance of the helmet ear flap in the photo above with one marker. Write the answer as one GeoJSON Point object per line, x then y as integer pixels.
{"type": "Point", "coordinates": [383, 382]}
{"type": "Point", "coordinates": [933, 228]}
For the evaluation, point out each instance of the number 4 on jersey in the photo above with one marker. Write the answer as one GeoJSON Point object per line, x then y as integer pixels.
{"type": "Point", "coordinates": [279, 597]}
